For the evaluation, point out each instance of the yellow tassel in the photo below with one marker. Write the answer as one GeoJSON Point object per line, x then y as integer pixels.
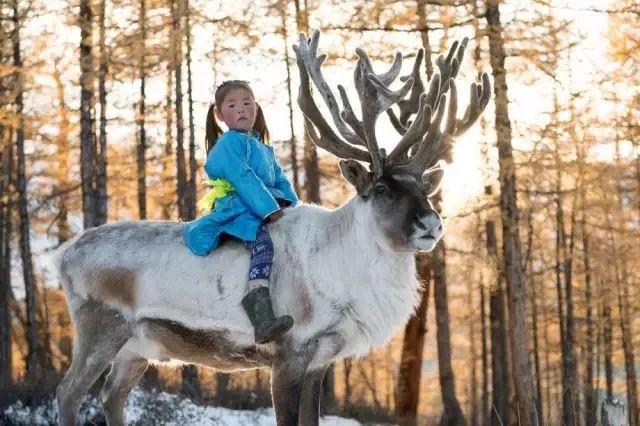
{"type": "Point", "coordinates": [220, 188]}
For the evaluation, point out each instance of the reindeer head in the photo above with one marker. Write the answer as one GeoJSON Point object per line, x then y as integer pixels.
{"type": "Point", "coordinates": [397, 186]}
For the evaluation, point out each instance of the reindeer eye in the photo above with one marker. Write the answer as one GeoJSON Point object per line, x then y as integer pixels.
{"type": "Point", "coordinates": [381, 189]}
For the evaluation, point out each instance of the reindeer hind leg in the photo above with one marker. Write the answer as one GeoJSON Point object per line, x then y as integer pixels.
{"type": "Point", "coordinates": [126, 370]}
{"type": "Point", "coordinates": [101, 332]}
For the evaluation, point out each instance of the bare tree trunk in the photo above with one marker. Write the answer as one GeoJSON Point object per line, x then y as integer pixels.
{"type": "Point", "coordinates": [547, 362]}
{"type": "Point", "coordinates": [87, 118]}
{"type": "Point", "coordinates": [292, 143]}
{"type": "Point", "coordinates": [536, 348]}
{"type": "Point", "coordinates": [410, 369]}
{"type": "Point", "coordinates": [101, 181]}
{"type": "Point", "coordinates": [627, 347]}
{"type": "Point", "coordinates": [452, 412]}
{"type": "Point", "coordinates": [25, 243]}
{"type": "Point", "coordinates": [177, 12]}
{"type": "Point", "coordinates": [484, 413]}
{"type": "Point", "coordinates": [499, 358]}
{"type": "Point", "coordinates": [348, 366]}
{"type": "Point", "coordinates": [567, 405]}
{"type": "Point", "coordinates": [590, 396]}
{"type": "Point", "coordinates": [141, 151]}
{"type": "Point", "coordinates": [497, 318]}
{"type": "Point", "coordinates": [564, 264]}
{"type": "Point", "coordinates": [222, 386]}
{"type": "Point", "coordinates": [191, 383]}
{"type": "Point", "coordinates": [608, 348]}
{"type": "Point", "coordinates": [473, 393]}
{"type": "Point", "coordinates": [193, 173]}
{"type": "Point", "coordinates": [168, 182]}
{"type": "Point", "coordinates": [521, 373]}
{"type": "Point", "coordinates": [6, 211]}
{"type": "Point", "coordinates": [312, 174]}
{"type": "Point", "coordinates": [63, 146]}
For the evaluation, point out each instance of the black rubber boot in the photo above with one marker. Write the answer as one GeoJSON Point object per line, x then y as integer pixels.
{"type": "Point", "coordinates": [257, 303]}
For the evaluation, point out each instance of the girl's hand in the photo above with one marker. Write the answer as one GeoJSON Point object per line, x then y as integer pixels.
{"type": "Point", "coordinates": [275, 216]}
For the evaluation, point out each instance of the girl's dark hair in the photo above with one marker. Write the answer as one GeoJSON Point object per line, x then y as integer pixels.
{"type": "Point", "coordinates": [213, 129]}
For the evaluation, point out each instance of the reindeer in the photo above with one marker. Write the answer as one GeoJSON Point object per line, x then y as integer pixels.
{"type": "Point", "coordinates": [347, 276]}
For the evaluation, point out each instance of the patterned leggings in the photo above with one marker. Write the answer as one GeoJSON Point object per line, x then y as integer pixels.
{"type": "Point", "coordinates": [261, 258]}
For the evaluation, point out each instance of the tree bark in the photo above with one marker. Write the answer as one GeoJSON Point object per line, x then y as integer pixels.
{"type": "Point", "coordinates": [484, 413]}
{"type": "Point", "coordinates": [536, 347]}
{"type": "Point", "coordinates": [87, 118]}
{"type": "Point", "coordinates": [24, 234]}
{"type": "Point", "coordinates": [590, 396]}
{"type": "Point", "coordinates": [6, 211]}
{"type": "Point", "coordinates": [292, 143]}
{"type": "Point", "coordinates": [193, 173]}
{"type": "Point", "coordinates": [176, 26]}
{"type": "Point", "coordinates": [473, 393]}
{"type": "Point", "coordinates": [311, 171]}
{"type": "Point", "coordinates": [141, 149]}
{"type": "Point", "coordinates": [627, 347]}
{"type": "Point", "coordinates": [452, 412]}
{"type": "Point", "coordinates": [521, 366]}
{"type": "Point", "coordinates": [410, 369]}
{"type": "Point", "coordinates": [564, 267]}
{"type": "Point", "coordinates": [101, 179]}
{"type": "Point", "coordinates": [347, 365]}
{"type": "Point", "coordinates": [168, 180]}
{"type": "Point", "coordinates": [497, 317]}
{"type": "Point", "coordinates": [63, 147]}
{"type": "Point", "coordinates": [608, 348]}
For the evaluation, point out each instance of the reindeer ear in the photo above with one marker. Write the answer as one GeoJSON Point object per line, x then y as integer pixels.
{"type": "Point", "coordinates": [357, 175]}
{"type": "Point", "coordinates": [432, 178]}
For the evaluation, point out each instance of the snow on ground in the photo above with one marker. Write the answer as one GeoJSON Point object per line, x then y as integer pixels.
{"type": "Point", "coordinates": [154, 408]}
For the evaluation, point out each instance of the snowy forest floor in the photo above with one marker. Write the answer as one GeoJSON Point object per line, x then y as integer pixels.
{"type": "Point", "coordinates": [153, 408]}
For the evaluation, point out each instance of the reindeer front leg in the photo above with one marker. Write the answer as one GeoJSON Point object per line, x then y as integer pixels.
{"type": "Point", "coordinates": [310, 399]}
{"type": "Point", "coordinates": [287, 380]}
{"type": "Point", "coordinates": [327, 346]}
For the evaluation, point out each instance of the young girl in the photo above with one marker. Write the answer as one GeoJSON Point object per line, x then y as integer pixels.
{"type": "Point", "coordinates": [249, 190]}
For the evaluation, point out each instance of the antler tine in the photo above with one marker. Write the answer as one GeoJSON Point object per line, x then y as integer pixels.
{"type": "Point", "coordinates": [414, 133]}
{"type": "Point", "coordinates": [433, 145]}
{"type": "Point", "coordinates": [326, 139]}
{"type": "Point", "coordinates": [348, 115]}
{"type": "Point", "coordinates": [480, 95]}
{"type": "Point", "coordinates": [409, 106]}
{"type": "Point", "coordinates": [375, 97]}
{"type": "Point", "coordinates": [387, 77]}
{"type": "Point", "coordinates": [313, 63]}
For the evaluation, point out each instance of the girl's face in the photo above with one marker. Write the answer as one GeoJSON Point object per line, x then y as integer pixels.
{"type": "Point", "coordinates": [238, 109]}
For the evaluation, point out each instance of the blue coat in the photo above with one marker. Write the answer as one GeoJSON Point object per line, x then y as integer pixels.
{"type": "Point", "coordinates": [251, 167]}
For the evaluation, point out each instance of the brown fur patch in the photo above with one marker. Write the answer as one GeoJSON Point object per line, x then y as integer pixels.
{"type": "Point", "coordinates": [207, 347]}
{"type": "Point", "coordinates": [116, 284]}
{"type": "Point", "coordinates": [307, 308]}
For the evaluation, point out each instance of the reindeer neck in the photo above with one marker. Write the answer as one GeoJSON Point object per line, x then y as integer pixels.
{"type": "Point", "coordinates": [348, 230]}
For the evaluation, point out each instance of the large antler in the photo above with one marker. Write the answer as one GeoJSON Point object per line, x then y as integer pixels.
{"type": "Point", "coordinates": [423, 142]}
{"type": "Point", "coordinates": [375, 98]}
